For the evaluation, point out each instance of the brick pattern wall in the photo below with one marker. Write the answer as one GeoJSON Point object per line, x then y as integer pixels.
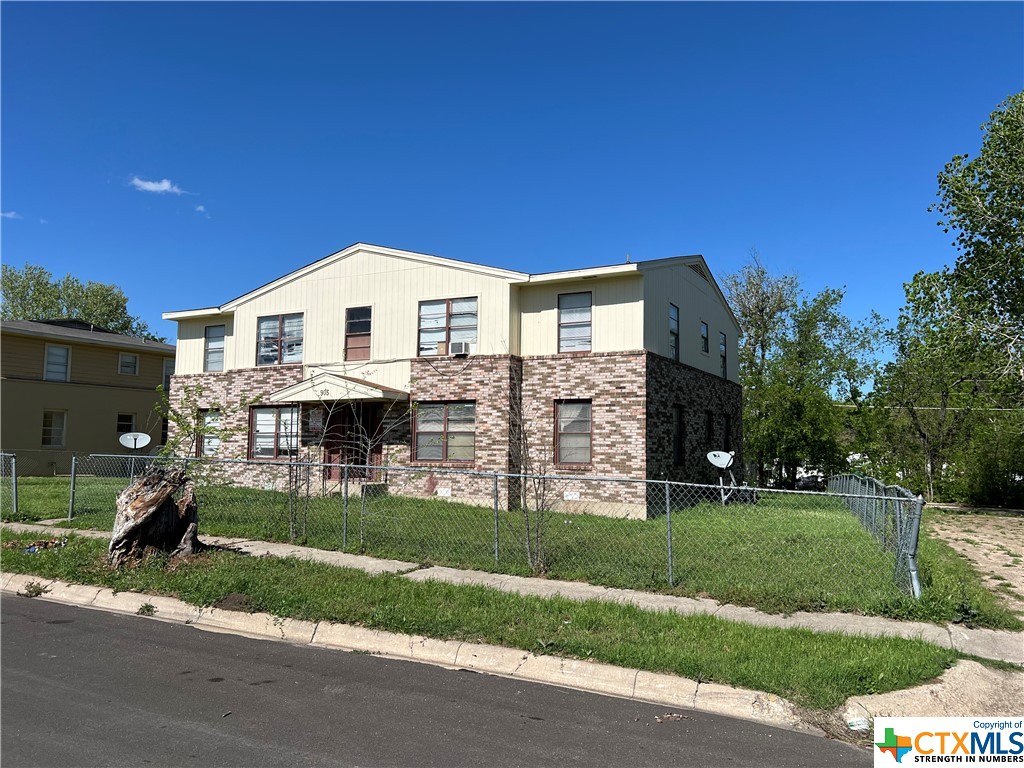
{"type": "Point", "coordinates": [675, 384]}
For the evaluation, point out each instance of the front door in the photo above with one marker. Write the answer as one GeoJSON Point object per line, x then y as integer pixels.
{"type": "Point", "coordinates": [352, 436]}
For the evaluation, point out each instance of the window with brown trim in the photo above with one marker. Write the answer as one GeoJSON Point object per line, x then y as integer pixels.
{"type": "Point", "coordinates": [357, 333]}
{"type": "Point", "coordinates": [573, 432]}
{"type": "Point", "coordinates": [574, 322]}
{"type": "Point", "coordinates": [273, 432]}
{"type": "Point", "coordinates": [673, 332]}
{"type": "Point", "coordinates": [444, 432]}
{"type": "Point", "coordinates": [678, 436]}
{"type": "Point", "coordinates": [445, 321]}
{"type": "Point", "coordinates": [279, 339]}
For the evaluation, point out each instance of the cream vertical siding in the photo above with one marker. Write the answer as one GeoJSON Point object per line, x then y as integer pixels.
{"type": "Point", "coordinates": [192, 343]}
{"type": "Point", "coordinates": [392, 286]}
{"type": "Point", "coordinates": [617, 318]}
{"type": "Point", "coordinates": [698, 301]}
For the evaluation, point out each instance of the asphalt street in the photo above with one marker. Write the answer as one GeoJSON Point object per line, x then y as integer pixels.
{"type": "Point", "coordinates": [81, 687]}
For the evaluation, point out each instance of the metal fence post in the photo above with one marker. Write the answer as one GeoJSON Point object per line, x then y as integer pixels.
{"type": "Point", "coordinates": [71, 498]}
{"type": "Point", "coordinates": [668, 521]}
{"type": "Point", "coordinates": [915, 530]}
{"type": "Point", "coordinates": [344, 510]}
{"type": "Point", "coordinates": [14, 483]}
{"type": "Point", "coordinates": [495, 519]}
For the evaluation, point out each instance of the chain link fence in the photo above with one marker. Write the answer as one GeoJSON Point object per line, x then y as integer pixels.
{"type": "Point", "coordinates": [781, 550]}
{"type": "Point", "coordinates": [8, 486]}
{"type": "Point", "coordinates": [892, 515]}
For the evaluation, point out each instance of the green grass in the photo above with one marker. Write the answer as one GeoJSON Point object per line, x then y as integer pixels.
{"type": "Point", "coordinates": [786, 553]}
{"type": "Point", "coordinates": [813, 670]}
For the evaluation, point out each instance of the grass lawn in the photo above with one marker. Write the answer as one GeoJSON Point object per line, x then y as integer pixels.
{"type": "Point", "coordinates": [817, 671]}
{"type": "Point", "coordinates": [784, 554]}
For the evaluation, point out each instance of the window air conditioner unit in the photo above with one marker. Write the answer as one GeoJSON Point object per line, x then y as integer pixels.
{"type": "Point", "coordinates": [459, 348]}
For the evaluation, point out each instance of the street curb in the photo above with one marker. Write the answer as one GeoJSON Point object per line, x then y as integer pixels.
{"type": "Point", "coordinates": [592, 677]}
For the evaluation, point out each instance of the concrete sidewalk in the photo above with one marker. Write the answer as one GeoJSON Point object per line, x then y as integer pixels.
{"type": "Point", "coordinates": [967, 689]}
{"type": "Point", "coordinates": [986, 643]}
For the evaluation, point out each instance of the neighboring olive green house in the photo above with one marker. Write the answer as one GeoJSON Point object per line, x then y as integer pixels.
{"type": "Point", "coordinates": [69, 387]}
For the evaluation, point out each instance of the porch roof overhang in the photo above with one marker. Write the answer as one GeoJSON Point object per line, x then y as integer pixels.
{"type": "Point", "coordinates": [330, 387]}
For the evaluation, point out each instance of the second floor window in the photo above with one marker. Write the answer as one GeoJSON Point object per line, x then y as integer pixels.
{"type": "Point", "coordinates": [357, 333]}
{"type": "Point", "coordinates": [704, 343]}
{"type": "Point", "coordinates": [721, 355]}
{"type": "Point", "coordinates": [445, 322]}
{"type": "Point", "coordinates": [213, 348]}
{"type": "Point", "coordinates": [574, 330]}
{"type": "Point", "coordinates": [58, 363]}
{"type": "Point", "coordinates": [128, 364]}
{"type": "Point", "coordinates": [445, 431]}
{"type": "Point", "coordinates": [279, 340]}
{"type": "Point", "coordinates": [673, 332]}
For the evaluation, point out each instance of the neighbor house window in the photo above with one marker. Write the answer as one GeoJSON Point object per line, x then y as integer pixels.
{"type": "Point", "coordinates": [208, 441]}
{"type": "Point", "coordinates": [274, 432]}
{"type": "Point", "coordinates": [213, 348]}
{"type": "Point", "coordinates": [357, 333]}
{"type": "Point", "coordinates": [58, 363]}
{"type": "Point", "coordinates": [573, 433]}
{"type": "Point", "coordinates": [128, 364]}
{"type": "Point", "coordinates": [125, 423]}
{"type": "Point", "coordinates": [279, 340]}
{"type": "Point", "coordinates": [165, 428]}
{"type": "Point", "coordinates": [574, 330]}
{"type": "Point", "coordinates": [704, 343]}
{"type": "Point", "coordinates": [168, 372]}
{"type": "Point", "coordinates": [673, 332]}
{"type": "Point", "coordinates": [445, 432]}
{"type": "Point", "coordinates": [54, 425]}
{"type": "Point", "coordinates": [721, 354]}
{"type": "Point", "coordinates": [727, 430]}
{"type": "Point", "coordinates": [444, 322]}
{"type": "Point", "coordinates": [709, 429]}
{"type": "Point", "coordinates": [678, 435]}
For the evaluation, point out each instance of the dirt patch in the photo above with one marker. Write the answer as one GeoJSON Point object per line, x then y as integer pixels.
{"type": "Point", "coordinates": [994, 544]}
{"type": "Point", "coordinates": [235, 601]}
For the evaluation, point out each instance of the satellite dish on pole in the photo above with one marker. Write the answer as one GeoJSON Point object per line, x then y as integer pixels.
{"type": "Point", "coordinates": [134, 440]}
{"type": "Point", "coordinates": [722, 459]}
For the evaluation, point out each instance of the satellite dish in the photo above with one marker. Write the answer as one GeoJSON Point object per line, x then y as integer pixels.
{"type": "Point", "coordinates": [134, 440]}
{"type": "Point", "coordinates": [721, 459]}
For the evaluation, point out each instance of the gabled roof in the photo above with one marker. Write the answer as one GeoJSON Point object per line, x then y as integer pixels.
{"type": "Point", "coordinates": [81, 335]}
{"type": "Point", "coordinates": [330, 387]}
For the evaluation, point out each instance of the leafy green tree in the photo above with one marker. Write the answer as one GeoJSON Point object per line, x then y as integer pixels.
{"type": "Point", "coordinates": [31, 293]}
{"type": "Point", "coordinates": [799, 358]}
{"type": "Point", "coordinates": [982, 201]}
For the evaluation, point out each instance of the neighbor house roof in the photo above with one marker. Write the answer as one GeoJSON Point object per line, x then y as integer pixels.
{"type": "Point", "coordinates": [82, 335]}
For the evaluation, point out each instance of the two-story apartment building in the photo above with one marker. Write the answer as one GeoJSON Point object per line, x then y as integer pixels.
{"type": "Point", "coordinates": [70, 387]}
{"type": "Point", "coordinates": [385, 357]}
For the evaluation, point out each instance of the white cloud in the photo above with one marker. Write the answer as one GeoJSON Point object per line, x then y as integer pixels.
{"type": "Point", "coordinates": [160, 187]}
{"type": "Point", "coordinates": [201, 209]}
{"type": "Point", "coordinates": [10, 215]}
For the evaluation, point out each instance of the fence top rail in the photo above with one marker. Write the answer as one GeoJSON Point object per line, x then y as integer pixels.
{"type": "Point", "coordinates": [512, 475]}
{"type": "Point", "coordinates": [886, 489]}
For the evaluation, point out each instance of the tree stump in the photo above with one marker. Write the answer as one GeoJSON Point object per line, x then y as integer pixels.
{"type": "Point", "coordinates": [149, 519]}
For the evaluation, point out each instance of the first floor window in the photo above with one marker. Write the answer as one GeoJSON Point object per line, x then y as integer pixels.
{"type": "Point", "coordinates": [573, 433]}
{"type": "Point", "coordinates": [125, 423]}
{"type": "Point", "coordinates": [727, 430]}
{"type": "Point", "coordinates": [209, 433]}
{"type": "Point", "coordinates": [58, 361]}
{"type": "Point", "coordinates": [445, 432]}
{"type": "Point", "coordinates": [678, 435]}
{"type": "Point", "coordinates": [165, 428]}
{"type": "Point", "coordinates": [279, 340]}
{"type": "Point", "coordinates": [274, 432]}
{"type": "Point", "coordinates": [128, 364]}
{"type": "Point", "coordinates": [709, 429]}
{"type": "Point", "coordinates": [54, 425]}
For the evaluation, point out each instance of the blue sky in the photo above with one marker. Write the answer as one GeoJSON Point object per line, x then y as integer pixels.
{"type": "Point", "coordinates": [190, 152]}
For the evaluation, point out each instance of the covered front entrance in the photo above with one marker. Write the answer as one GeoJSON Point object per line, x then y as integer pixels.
{"type": "Point", "coordinates": [352, 435]}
